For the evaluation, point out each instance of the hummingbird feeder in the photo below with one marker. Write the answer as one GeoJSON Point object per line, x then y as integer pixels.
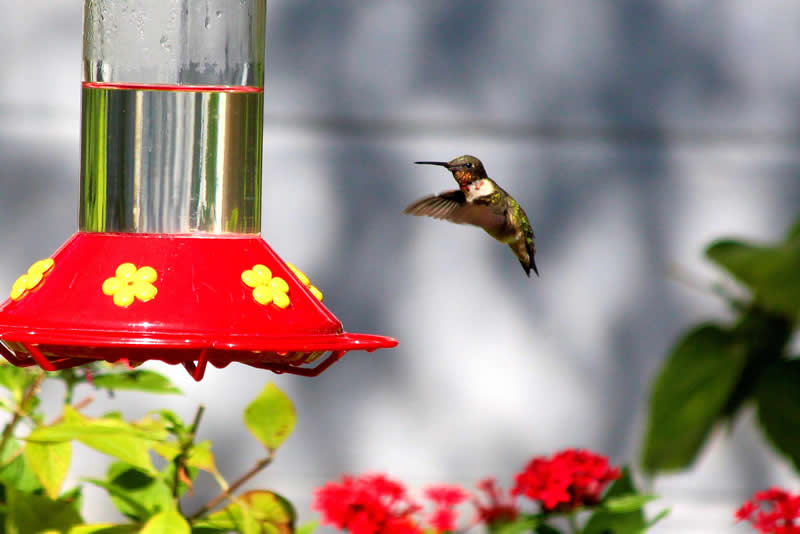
{"type": "Point", "coordinates": [168, 262]}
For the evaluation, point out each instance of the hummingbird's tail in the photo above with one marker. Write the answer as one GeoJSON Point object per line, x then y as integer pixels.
{"type": "Point", "coordinates": [533, 266]}
{"type": "Point", "coordinates": [524, 253]}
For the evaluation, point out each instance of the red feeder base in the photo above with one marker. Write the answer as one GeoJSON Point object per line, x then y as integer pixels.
{"type": "Point", "coordinates": [188, 299]}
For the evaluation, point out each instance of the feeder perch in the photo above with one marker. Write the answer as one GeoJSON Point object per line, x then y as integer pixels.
{"type": "Point", "coordinates": [168, 262]}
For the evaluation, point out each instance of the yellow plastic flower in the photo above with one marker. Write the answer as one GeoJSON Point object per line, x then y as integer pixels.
{"type": "Point", "coordinates": [266, 288]}
{"type": "Point", "coordinates": [30, 280]}
{"type": "Point", "coordinates": [130, 283]}
{"type": "Point", "coordinates": [305, 281]}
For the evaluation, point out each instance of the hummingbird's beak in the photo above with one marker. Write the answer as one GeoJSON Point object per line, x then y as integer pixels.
{"type": "Point", "coordinates": [439, 163]}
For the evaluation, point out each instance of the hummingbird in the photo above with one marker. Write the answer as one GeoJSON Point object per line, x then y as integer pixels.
{"type": "Point", "coordinates": [481, 202]}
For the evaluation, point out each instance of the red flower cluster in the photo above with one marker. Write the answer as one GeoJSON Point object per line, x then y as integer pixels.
{"type": "Point", "coordinates": [445, 499]}
{"type": "Point", "coordinates": [567, 480]}
{"type": "Point", "coordinates": [369, 504]}
{"type": "Point", "coordinates": [773, 511]}
{"type": "Point", "coordinates": [376, 504]}
{"type": "Point", "coordinates": [499, 509]}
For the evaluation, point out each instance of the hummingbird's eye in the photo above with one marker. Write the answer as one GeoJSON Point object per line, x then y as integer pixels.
{"type": "Point", "coordinates": [468, 165]}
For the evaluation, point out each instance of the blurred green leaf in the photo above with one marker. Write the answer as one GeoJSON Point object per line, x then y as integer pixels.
{"type": "Point", "coordinates": [174, 424]}
{"type": "Point", "coordinates": [105, 528]}
{"type": "Point", "coordinates": [200, 457]}
{"type": "Point", "coordinates": [544, 528]}
{"type": "Point", "coordinates": [166, 522]}
{"type": "Point", "coordinates": [270, 417]}
{"type": "Point", "coordinates": [135, 494]}
{"type": "Point", "coordinates": [523, 523]}
{"type": "Point", "coordinates": [109, 435]}
{"type": "Point", "coordinates": [33, 514]}
{"type": "Point", "coordinates": [308, 527]}
{"type": "Point", "coordinates": [779, 407]}
{"type": "Point", "coordinates": [627, 503]}
{"type": "Point", "coordinates": [15, 380]}
{"type": "Point", "coordinates": [765, 336]}
{"type": "Point", "coordinates": [689, 395]}
{"type": "Point", "coordinates": [167, 450]}
{"type": "Point", "coordinates": [50, 462]}
{"type": "Point", "coordinates": [257, 511]}
{"type": "Point", "coordinates": [603, 520]}
{"type": "Point", "coordinates": [136, 380]}
{"type": "Point", "coordinates": [125, 503]}
{"type": "Point", "coordinates": [231, 518]}
{"type": "Point", "coordinates": [17, 472]}
{"type": "Point", "coordinates": [771, 272]}
{"type": "Point", "coordinates": [78, 427]}
{"type": "Point", "coordinates": [271, 509]}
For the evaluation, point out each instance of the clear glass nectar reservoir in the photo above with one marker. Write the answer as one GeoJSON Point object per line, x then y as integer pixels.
{"type": "Point", "coordinates": [172, 116]}
{"type": "Point", "coordinates": [170, 159]}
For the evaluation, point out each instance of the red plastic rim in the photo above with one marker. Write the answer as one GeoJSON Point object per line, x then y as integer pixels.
{"type": "Point", "coordinates": [198, 310]}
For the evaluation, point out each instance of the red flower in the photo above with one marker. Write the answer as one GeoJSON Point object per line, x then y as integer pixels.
{"type": "Point", "coordinates": [500, 508]}
{"type": "Point", "coordinates": [369, 504]}
{"type": "Point", "coordinates": [571, 478]}
{"type": "Point", "coordinates": [445, 498]}
{"type": "Point", "coordinates": [773, 511]}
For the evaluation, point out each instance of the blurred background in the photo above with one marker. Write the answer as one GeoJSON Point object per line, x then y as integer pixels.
{"type": "Point", "coordinates": [632, 132]}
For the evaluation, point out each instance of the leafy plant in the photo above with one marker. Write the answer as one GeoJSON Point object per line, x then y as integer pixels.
{"type": "Point", "coordinates": [157, 460]}
{"type": "Point", "coordinates": [717, 368]}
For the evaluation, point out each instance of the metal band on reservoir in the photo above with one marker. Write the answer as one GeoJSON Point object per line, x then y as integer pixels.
{"type": "Point", "coordinates": [171, 158]}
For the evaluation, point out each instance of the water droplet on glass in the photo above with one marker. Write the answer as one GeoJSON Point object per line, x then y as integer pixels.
{"type": "Point", "coordinates": [218, 14]}
{"type": "Point", "coordinates": [208, 22]}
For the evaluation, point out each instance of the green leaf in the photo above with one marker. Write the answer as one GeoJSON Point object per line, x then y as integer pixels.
{"type": "Point", "coordinates": [270, 417]}
{"type": "Point", "coordinates": [627, 503]}
{"type": "Point", "coordinates": [109, 435]}
{"type": "Point", "coordinates": [307, 528]}
{"type": "Point", "coordinates": [136, 380]}
{"type": "Point", "coordinates": [127, 504]}
{"type": "Point", "coordinates": [603, 520]}
{"type": "Point", "coordinates": [523, 523]}
{"type": "Point", "coordinates": [50, 462]}
{"type": "Point", "coordinates": [174, 424]}
{"type": "Point", "coordinates": [779, 407]}
{"type": "Point", "coordinates": [544, 528]}
{"type": "Point", "coordinates": [270, 509]}
{"type": "Point", "coordinates": [689, 395]}
{"type": "Point", "coordinates": [166, 522]}
{"type": "Point", "coordinates": [201, 457]}
{"type": "Point", "coordinates": [167, 450]}
{"type": "Point", "coordinates": [765, 336]}
{"type": "Point", "coordinates": [231, 518]}
{"type": "Point", "coordinates": [135, 494]}
{"type": "Point", "coordinates": [17, 472]}
{"type": "Point", "coordinates": [254, 511]}
{"type": "Point", "coordinates": [34, 514]}
{"type": "Point", "coordinates": [771, 272]}
{"type": "Point", "coordinates": [15, 380]}
{"type": "Point", "coordinates": [105, 528]}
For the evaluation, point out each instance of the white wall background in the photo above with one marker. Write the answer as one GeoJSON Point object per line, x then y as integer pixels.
{"type": "Point", "coordinates": [632, 132]}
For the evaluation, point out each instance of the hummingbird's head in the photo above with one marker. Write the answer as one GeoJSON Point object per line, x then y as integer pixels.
{"type": "Point", "coordinates": [465, 169]}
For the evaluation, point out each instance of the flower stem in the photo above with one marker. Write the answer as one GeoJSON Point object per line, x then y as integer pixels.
{"type": "Point", "coordinates": [180, 466]}
{"type": "Point", "coordinates": [261, 464]}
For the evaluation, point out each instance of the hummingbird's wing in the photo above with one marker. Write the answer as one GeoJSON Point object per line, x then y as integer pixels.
{"type": "Point", "coordinates": [453, 206]}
